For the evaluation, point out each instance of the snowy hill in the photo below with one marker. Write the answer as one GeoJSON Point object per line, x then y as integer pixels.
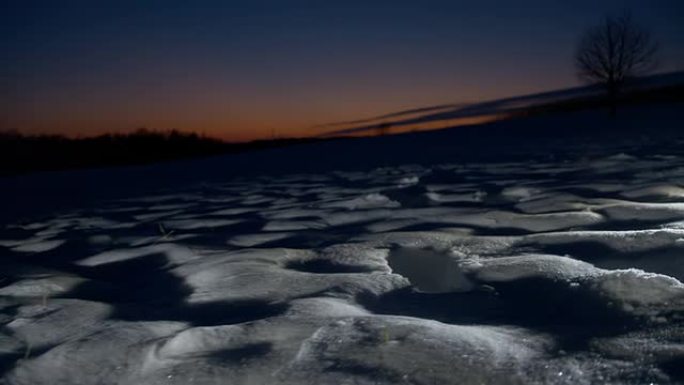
{"type": "Point", "coordinates": [451, 113]}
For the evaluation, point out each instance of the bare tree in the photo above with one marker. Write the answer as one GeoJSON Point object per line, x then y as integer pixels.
{"type": "Point", "coordinates": [614, 51]}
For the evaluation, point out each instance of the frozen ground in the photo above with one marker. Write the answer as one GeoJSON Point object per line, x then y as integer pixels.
{"type": "Point", "coordinates": [478, 261]}
{"type": "Point", "coordinates": [518, 272]}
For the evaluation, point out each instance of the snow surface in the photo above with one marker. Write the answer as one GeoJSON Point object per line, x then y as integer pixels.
{"type": "Point", "coordinates": [522, 272]}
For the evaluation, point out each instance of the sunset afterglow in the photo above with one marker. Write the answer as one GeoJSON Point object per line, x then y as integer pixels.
{"type": "Point", "coordinates": [243, 70]}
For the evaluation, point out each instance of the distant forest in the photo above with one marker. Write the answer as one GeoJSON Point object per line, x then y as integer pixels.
{"type": "Point", "coordinates": [20, 153]}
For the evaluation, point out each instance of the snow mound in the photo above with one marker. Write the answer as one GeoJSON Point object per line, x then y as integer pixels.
{"type": "Point", "coordinates": [656, 191]}
{"type": "Point", "coordinates": [535, 223]}
{"type": "Point", "coordinates": [57, 320]}
{"type": "Point", "coordinates": [117, 353]}
{"type": "Point", "coordinates": [42, 287]}
{"type": "Point", "coordinates": [175, 253]}
{"type": "Point", "coordinates": [641, 292]}
{"type": "Point", "coordinates": [633, 291]}
{"type": "Point", "coordinates": [199, 223]}
{"type": "Point", "coordinates": [520, 193]}
{"type": "Point", "coordinates": [630, 241]}
{"type": "Point", "coordinates": [251, 240]}
{"type": "Point", "coordinates": [506, 269]}
{"type": "Point", "coordinates": [374, 350]}
{"type": "Point", "coordinates": [477, 196]}
{"type": "Point", "coordinates": [644, 211]}
{"type": "Point", "coordinates": [269, 279]}
{"type": "Point", "coordinates": [39, 246]}
{"type": "Point", "coordinates": [369, 201]}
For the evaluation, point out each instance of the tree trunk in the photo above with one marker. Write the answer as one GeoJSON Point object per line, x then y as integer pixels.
{"type": "Point", "coordinates": [612, 98]}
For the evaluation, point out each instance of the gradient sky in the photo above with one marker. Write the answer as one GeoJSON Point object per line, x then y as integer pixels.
{"type": "Point", "coordinates": [252, 69]}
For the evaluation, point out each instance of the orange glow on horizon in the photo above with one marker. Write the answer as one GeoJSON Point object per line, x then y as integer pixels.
{"type": "Point", "coordinates": [239, 117]}
{"type": "Point", "coordinates": [267, 130]}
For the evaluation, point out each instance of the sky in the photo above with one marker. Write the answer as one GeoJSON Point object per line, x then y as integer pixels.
{"type": "Point", "coordinates": [254, 69]}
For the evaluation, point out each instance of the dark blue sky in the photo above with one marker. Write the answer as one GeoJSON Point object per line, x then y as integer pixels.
{"type": "Point", "coordinates": [244, 69]}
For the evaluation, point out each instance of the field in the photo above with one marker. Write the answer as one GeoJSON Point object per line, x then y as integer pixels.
{"type": "Point", "coordinates": [428, 258]}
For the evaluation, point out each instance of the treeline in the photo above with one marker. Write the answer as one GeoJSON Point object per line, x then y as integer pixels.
{"type": "Point", "coordinates": [21, 153]}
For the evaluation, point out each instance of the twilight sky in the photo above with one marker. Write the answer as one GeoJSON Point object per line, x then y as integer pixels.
{"type": "Point", "coordinates": [245, 69]}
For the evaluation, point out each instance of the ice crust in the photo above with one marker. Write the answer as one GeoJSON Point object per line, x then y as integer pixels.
{"type": "Point", "coordinates": [498, 273]}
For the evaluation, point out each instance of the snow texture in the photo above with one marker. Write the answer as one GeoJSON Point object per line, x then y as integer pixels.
{"type": "Point", "coordinates": [522, 272]}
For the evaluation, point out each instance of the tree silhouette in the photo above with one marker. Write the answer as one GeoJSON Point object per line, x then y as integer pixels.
{"type": "Point", "coordinates": [614, 51]}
